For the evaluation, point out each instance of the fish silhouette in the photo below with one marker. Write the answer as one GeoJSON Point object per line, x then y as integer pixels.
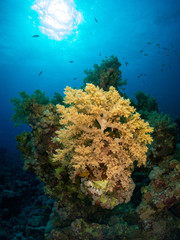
{"type": "Point", "coordinates": [40, 73]}
{"type": "Point", "coordinates": [36, 36]}
{"type": "Point", "coordinates": [71, 61]}
{"type": "Point", "coordinates": [96, 19]}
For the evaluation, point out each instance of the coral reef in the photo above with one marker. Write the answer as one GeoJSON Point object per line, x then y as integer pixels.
{"type": "Point", "coordinates": [106, 75]}
{"type": "Point", "coordinates": [117, 224]}
{"type": "Point", "coordinates": [160, 197]}
{"type": "Point", "coordinates": [37, 146]}
{"type": "Point", "coordinates": [93, 150]}
{"type": "Point", "coordinates": [144, 104]}
{"type": "Point", "coordinates": [24, 105]}
{"type": "Point", "coordinates": [165, 130]}
{"type": "Point", "coordinates": [177, 121]}
{"type": "Point", "coordinates": [24, 207]}
{"type": "Point", "coordinates": [101, 138]}
{"type": "Point", "coordinates": [164, 135]}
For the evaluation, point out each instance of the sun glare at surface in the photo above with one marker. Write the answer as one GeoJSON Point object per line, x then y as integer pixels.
{"type": "Point", "coordinates": [58, 18]}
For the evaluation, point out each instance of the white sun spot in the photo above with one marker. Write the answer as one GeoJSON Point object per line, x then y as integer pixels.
{"type": "Point", "coordinates": [58, 18]}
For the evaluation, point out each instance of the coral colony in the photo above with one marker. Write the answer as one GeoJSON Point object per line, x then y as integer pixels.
{"type": "Point", "coordinates": [101, 138]}
{"type": "Point", "coordinates": [111, 164]}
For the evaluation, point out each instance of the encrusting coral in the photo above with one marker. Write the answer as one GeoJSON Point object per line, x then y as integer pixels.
{"type": "Point", "coordinates": [101, 138]}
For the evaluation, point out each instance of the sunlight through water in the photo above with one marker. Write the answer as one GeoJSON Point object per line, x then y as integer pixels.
{"type": "Point", "coordinates": [58, 18]}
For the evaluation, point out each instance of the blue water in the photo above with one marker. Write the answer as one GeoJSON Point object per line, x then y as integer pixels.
{"type": "Point", "coordinates": [143, 34]}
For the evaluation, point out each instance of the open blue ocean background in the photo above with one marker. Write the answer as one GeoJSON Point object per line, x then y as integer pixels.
{"type": "Point", "coordinates": [47, 45]}
{"type": "Point", "coordinates": [144, 35]}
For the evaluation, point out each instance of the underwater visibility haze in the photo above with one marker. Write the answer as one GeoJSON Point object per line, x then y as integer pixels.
{"type": "Point", "coordinates": [90, 103]}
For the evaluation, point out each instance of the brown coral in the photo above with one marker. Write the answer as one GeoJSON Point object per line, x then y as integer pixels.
{"type": "Point", "coordinates": [102, 137]}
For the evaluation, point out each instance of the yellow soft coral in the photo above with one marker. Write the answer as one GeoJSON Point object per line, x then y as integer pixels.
{"type": "Point", "coordinates": [101, 138]}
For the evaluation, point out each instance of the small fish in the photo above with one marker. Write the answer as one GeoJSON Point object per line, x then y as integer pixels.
{"type": "Point", "coordinates": [162, 70]}
{"type": "Point", "coordinates": [145, 54]}
{"type": "Point", "coordinates": [35, 36]}
{"type": "Point", "coordinates": [138, 76]}
{"type": "Point", "coordinates": [40, 73]}
{"type": "Point", "coordinates": [71, 61]}
{"type": "Point", "coordinates": [126, 63]}
{"type": "Point", "coordinates": [141, 74]}
{"type": "Point", "coordinates": [163, 64]}
{"type": "Point", "coordinates": [75, 78]}
{"type": "Point", "coordinates": [165, 48]}
{"type": "Point", "coordinates": [145, 74]}
{"type": "Point", "coordinates": [96, 19]}
{"type": "Point", "coordinates": [149, 43]}
{"type": "Point", "coordinates": [141, 51]}
{"type": "Point", "coordinates": [99, 53]}
{"type": "Point", "coordinates": [157, 44]}
{"type": "Point", "coordinates": [106, 57]}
